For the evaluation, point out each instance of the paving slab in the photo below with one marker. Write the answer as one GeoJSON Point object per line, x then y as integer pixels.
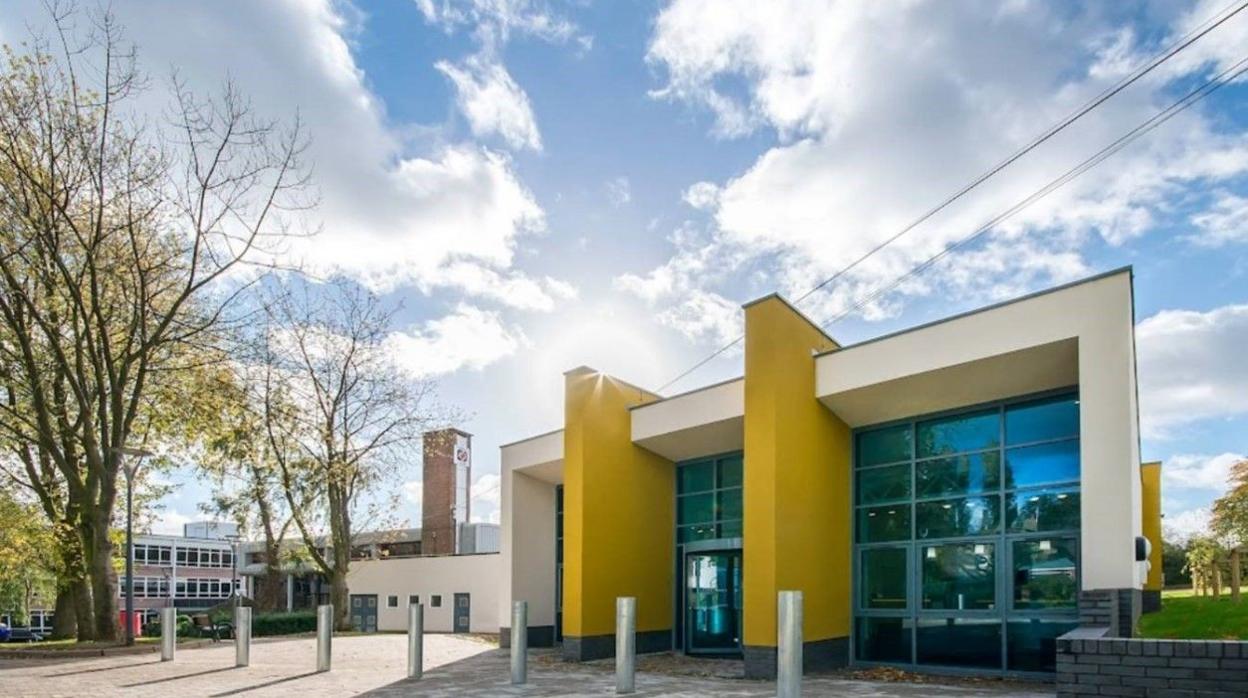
{"type": "Point", "coordinates": [374, 665]}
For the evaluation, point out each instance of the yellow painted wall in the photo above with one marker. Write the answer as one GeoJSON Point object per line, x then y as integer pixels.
{"type": "Point", "coordinates": [1150, 480]}
{"type": "Point", "coordinates": [619, 511]}
{"type": "Point", "coordinates": [797, 479]}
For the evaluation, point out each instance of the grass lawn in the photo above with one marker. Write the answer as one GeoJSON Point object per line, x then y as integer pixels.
{"type": "Point", "coordinates": [1184, 616]}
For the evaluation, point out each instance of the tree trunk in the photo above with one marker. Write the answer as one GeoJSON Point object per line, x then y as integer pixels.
{"type": "Point", "coordinates": [99, 549]}
{"type": "Point", "coordinates": [339, 595]}
{"type": "Point", "coordinates": [84, 609]}
{"type": "Point", "coordinates": [65, 622]}
{"type": "Point", "coordinates": [270, 590]}
{"type": "Point", "coordinates": [1235, 569]}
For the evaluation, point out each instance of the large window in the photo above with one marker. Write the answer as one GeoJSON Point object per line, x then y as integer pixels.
{"type": "Point", "coordinates": [708, 499]}
{"type": "Point", "coordinates": [967, 532]}
{"type": "Point", "coordinates": [708, 535]}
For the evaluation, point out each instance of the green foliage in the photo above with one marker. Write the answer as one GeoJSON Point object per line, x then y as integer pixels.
{"type": "Point", "coordinates": [1197, 618]}
{"type": "Point", "coordinates": [1174, 563]}
{"type": "Point", "coordinates": [1229, 518]}
{"type": "Point", "coordinates": [283, 623]}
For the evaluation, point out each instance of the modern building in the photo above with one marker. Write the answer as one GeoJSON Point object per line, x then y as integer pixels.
{"type": "Point", "coordinates": [450, 564]}
{"type": "Point", "coordinates": [191, 572]}
{"type": "Point", "coordinates": [950, 497]}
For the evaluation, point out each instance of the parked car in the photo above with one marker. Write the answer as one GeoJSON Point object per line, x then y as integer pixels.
{"type": "Point", "coordinates": [22, 634]}
{"type": "Point", "coordinates": [4, 632]}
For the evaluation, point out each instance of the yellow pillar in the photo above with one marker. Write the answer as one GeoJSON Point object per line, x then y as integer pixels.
{"type": "Point", "coordinates": [618, 518]}
{"type": "Point", "coordinates": [797, 503]}
{"type": "Point", "coordinates": [1150, 481]}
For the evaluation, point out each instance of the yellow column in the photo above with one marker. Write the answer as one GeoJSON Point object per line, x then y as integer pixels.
{"type": "Point", "coordinates": [618, 518]}
{"type": "Point", "coordinates": [796, 497]}
{"type": "Point", "coordinates": [1150, 482]}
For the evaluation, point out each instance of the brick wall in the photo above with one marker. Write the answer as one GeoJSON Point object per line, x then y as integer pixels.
{"type": "Point", "coordinates": [1092, 664]}
{"type": "Point", "coordinates": [437, 534]}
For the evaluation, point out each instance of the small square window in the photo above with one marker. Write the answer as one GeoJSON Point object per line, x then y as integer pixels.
{"type": "Point", "coordinates": [392, 602]}
{"type": "Point", "coordinates": [413, 600]}
{"type": "Point", "coordinates": [436, 601]}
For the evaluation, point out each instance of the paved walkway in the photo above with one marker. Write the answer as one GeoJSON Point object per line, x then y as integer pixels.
{"type": "Point", "coordinates": [374, 665]}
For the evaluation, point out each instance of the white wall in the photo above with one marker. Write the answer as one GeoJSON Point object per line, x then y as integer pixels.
{"type": "Point", "coordinates": [476, 575]}
{"type": "Point", "coordinates": [530, 471]}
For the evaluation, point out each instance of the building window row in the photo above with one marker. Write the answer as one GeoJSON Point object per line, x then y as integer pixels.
{"type": "Point", "coordinates": [205, 588]}
{"type": "Point", "coordinates": [153, 554]}
{"type": "Point", "coordinates": [146, 587]}
{"type": "Point", "coordinates": [192, 556]}
{"type": "Point", "coordinates": [967, 531]}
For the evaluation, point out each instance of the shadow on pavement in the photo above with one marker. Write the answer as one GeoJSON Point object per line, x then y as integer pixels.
{"type": "Point", "coordinates": [102, 668]}
{"type": "Point", "coordinates": [178, 677]}
{"type": "Point", "coordinates": [266, 684]}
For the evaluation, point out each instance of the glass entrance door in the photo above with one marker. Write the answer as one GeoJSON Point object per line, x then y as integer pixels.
{"type": "Point", "coordinates": [713, 602]}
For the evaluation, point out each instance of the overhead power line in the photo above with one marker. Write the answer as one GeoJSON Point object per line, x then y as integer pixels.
{"type": "Point", "coordinates": [1213, 22]}
{"type": "Point", "coordinates": [1229, 75]}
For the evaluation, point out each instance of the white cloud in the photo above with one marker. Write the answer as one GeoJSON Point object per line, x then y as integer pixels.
{"type": "Point", "coordinates": [619, 191]}
{"type": "Point", "coordinates": [882, 110]}
{"type": "Point", "coordinates": [1226, 222]}
{"type": "Point", "coordinates": [492, 101]}
{"type": "Point", "coordinates": [512, 289]}
{"type": "Point", "coordinates": [486, 496]}
{"type": "Point", "coordinates": [1185, 524]}
{"type": "Point", "coordinates": [414, 493]}
{"type": "Point", "coordinates": [1199, 472]}
{"type": "Point", "coordinates": [494, 21]}
{"type": "Point", "coordinates": [394, 209]}
{"type": "Point", "coordinates": [702, 195]}
{"type": "Point", "coordinates": [170, 522]}
{"type": "Point", "coordinates": [1191, 367]}
{"type": "Point", "coordinates": [469, 338]}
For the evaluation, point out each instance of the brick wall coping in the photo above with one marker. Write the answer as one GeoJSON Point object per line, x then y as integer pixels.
{"type": "Point", "coordinates": [1091, 663]}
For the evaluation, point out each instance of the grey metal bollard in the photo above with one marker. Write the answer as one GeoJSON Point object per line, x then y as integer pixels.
{"type": "Point", "coordinates": [789, 645]}
{"type": "Point", "coordinates": [168, 633]}
{"type": "Point", "coordinates": [519, 642]}
{"type": "Point", "coordinates": [415, 641]}
{"type": "Point", "coordinates": [242, 636]}
{"type": "Point", "coordinates": [625, 644]}
{"type": "Point", "coordinates": [324, 636]}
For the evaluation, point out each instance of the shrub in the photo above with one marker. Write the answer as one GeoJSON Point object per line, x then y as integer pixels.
{"type": "Point", "coordinates": [283, 623]}
{"type": "Point", "coordinates": [185, 627]}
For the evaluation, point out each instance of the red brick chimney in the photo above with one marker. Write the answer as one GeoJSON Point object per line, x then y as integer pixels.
{"type": "Point", "coordinates": [447, 479]}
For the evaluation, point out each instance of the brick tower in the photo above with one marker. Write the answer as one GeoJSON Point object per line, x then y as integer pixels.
{"type": "Point", "coordinates": [447, 480]}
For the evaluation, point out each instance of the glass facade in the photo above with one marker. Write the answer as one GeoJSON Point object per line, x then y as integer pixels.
{"type": "Point", "coordinates": [967, 536]}
{"type": "Point", "coordinates": [708, 554]}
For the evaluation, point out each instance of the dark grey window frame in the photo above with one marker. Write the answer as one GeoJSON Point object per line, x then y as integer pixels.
{"type": "Point", "coordinates": [1002, 539]}
{"type": "Point", "coordinates": [726, 543]}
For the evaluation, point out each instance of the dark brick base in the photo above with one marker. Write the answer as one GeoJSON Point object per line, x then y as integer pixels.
{"type": "Point", "coordinates": [1151, 600]}
{"type": "Point", "coordinates": [1091, 663]}
{"type": "Point", "coordinates": [1115, 609]}
{"type": "Point", "coordinates": [583, 649]}
{"type": "Point", "coordinates": [818, 655]}
{"type": "Point", "coordinates": [539, 636]}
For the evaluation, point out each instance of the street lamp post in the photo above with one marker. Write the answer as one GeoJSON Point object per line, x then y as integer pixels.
{"type": "Point", "coordinates": [131, 469]}
{"type": "Point", "coordinates": [234, 540]}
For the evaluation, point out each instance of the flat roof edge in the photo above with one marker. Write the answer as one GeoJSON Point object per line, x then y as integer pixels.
{"type": "Point", "coordinates": [687, 392]}
{"type": "Point", "coordinates": [531, 438]}
{"type": "Point", "coordinates": [1127, 269]}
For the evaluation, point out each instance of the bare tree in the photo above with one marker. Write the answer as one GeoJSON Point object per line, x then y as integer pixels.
{"type": "Point", "coordinates": [119, 257]}
{"type": "Point", "coordinates": [342, 417]}
{"type": "Point", "coordinates": [246, 480]}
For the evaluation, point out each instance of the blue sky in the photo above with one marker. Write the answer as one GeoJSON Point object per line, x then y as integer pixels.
{"type": "Point", "coordinates": [545, 184]}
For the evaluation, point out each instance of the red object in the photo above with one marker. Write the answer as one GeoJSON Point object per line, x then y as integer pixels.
{"type": "Point", "coordinates": [136, 619]}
